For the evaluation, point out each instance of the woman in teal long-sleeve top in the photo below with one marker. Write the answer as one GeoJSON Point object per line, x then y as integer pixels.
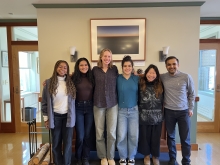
{"type": "Point", "coordinates": [127, 128]}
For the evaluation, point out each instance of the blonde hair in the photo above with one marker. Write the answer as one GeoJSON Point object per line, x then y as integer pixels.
{"type": "Point", "coordinates": [99, 63]}
{"type": "Point", "coordinates": [71, 90]}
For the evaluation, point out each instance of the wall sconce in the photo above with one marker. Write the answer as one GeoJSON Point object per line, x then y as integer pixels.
{"type": "Point", "coordinates": [163, 54]}
{"type": "Point", "coordinates": [73, 54]}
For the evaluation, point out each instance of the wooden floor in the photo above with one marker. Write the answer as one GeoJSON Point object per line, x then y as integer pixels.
{"type": "Point", "coordinates": [14, 149]}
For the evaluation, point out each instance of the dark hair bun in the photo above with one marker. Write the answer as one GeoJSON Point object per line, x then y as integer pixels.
{"type": "Point", "coordinates": [140, 71]}
{"type": "Point", "coordinates": [127, 58]}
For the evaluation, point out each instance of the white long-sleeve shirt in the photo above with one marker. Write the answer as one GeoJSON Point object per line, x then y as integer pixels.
{"type": "Point", "coordinates": [60, 101]}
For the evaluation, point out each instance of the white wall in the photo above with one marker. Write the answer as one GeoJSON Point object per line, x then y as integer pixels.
{"type": "Point", "coordinates": [178, 27]}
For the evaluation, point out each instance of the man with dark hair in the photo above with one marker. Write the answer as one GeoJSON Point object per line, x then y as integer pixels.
{"type": "Point", "coordinates": [179, 97]}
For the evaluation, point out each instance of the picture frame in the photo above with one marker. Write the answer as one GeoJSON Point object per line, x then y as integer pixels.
{"type": "Point", "coordinates": [4, 58]}
{"type": "Point", "coordinates": [123, 36]}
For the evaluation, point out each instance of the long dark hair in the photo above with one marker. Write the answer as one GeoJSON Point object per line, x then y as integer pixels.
{"type": "Point", "coordinates": [158, 87]}
{"type": "Point", "coordinates": [77, 74]}
{"type": "Point", "coordinates": [71, 90]}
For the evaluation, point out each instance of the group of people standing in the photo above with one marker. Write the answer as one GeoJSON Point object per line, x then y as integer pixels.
{"type": "Point", "coordinates": [129, 107]}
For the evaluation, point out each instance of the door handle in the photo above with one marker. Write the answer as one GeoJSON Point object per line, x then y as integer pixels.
{"type": "Point", "coordinates": [16, 90]}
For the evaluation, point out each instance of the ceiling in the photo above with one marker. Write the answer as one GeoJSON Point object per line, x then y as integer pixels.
{"type": "Point", "coordinates": [23, 9]}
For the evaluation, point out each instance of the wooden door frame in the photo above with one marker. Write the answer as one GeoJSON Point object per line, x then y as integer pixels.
{"type": "Point", "coordinates": [9, 127]}
{"type": "Point", "coordinates": [212, 126]}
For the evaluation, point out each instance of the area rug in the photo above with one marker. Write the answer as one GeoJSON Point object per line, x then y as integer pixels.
{"type": "Point", "coordinates": [94, 160]}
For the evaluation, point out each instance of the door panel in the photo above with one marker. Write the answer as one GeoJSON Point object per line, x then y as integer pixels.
{"type": "Point", "coordinates": [26, 85]}
{"type": "Point", "coordinates": [208, 92]}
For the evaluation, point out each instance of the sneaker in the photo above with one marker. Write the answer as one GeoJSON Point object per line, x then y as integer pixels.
{"type": "Point", "coordinates": [104, 161]}
{"type": "Point", "coordinates": [122, 162]}
{"type": "Point", "coordinates": [172, 162]}
{"type": "Point", "coordinates": [156, 161]}
{"type": "Point", "coordinates": [131, 162]}
{"type": "Point", "coordinates": [147, 160]}
{"type": "Point", "coordinates": [111, 162]}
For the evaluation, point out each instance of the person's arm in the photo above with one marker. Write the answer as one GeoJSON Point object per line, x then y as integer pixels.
{"type": "Point", "coordinates": [191, 95]}
{"type": "Point", "coordinates": [44, 106]}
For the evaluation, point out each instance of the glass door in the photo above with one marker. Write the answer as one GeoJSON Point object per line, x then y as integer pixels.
{"type": "Point", "coordinates": [27, 85]}
{"type": "Point", "coordinates": [6, 113]}
{"type": "Point", "coordinates": [208, 115]}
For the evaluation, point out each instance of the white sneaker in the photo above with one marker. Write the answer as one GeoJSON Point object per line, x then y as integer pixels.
{"type": "Point", "coordinates": [122, 162]}
{"type": "Point", "coordinates": [131, 162]}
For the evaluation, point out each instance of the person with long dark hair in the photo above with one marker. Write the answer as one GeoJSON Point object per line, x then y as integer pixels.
{"type": "Point", "coordinates": [84, 82]}
{"type": "Point", "coordinates": [150, 114]}
{"type": "Point", "coordinates": [58, 108]}
{"type": "Point", "coordinates": [127, 127]}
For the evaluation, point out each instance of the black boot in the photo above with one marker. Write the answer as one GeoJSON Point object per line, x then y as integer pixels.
{"type": "Point", "coordinates": [85, 162]}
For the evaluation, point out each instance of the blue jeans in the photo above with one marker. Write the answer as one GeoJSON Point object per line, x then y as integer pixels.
{"type": "Point", "coordinates": [61, 135]}
{"type": "Point", "coordinates": [127, 132]}
{"type": "Point", "coordinates": [84, 122]}
{"type": "Point", "coordinates": [182, 118]}
{"type": "Point", "coordinates": [106, 116]}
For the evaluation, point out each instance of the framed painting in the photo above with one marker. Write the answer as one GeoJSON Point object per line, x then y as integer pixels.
{"type": "Point", "coordinates": [125, 36]}
{"type": "Point", "coordinates": [4, 58]}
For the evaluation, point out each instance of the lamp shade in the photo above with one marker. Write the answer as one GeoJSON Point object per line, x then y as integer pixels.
{"type": "Point", "coordinates": [165, 50]}
{"type": "Point", "coordinates": [72, 51]}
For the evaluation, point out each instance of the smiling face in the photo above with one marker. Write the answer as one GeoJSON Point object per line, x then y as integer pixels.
{"type": "Point", "coordinates": [83, 67]}
{"type": "Point", "coordinates": [151, 75]}
{"type": "Point", "coordinates": [172, 66]}
{"type": "Point", "coordinates": [62, 69]}
{"type": "Point", "coordinates": [106, 58]}
{"type": "Point", "coordinates": [127, 68]}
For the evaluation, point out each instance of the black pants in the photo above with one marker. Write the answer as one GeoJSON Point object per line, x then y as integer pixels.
{"type": "Point", "coordinates": [149, 139]}
{"type": "Point", "coordinates": [62, 137]}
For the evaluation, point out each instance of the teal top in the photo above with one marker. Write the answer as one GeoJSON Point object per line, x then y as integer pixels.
{"type": "Point", "coordinates": [127, 90]}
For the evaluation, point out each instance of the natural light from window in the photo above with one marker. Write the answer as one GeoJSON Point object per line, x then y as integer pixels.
{"type": "Point", "coordinates": [24, 68]}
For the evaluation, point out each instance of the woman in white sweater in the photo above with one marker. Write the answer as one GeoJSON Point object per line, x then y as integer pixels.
{"type": "Point", "coordinates": [58, 108]}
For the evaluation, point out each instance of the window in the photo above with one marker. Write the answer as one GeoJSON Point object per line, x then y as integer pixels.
{"type": "Point", "coordinates": [24, 33]}
{"type": "Point", "coordinates": [207, 70]}
{"type": "Point", "coordinates": [25, 70]}
{"type": "Point", "coordinates": [209, 32]}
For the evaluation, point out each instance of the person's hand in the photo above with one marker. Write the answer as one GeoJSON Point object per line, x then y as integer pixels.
{"type": "Point", "coordinates": [190, 113]}
{"type": "Point", "coordinates": [46, 123]}
{"type": "Point", "coordinates": [44, 83]}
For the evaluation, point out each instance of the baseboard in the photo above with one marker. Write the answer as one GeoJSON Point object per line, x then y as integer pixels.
{"type": "Point", "coordinates": [194, 147]}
